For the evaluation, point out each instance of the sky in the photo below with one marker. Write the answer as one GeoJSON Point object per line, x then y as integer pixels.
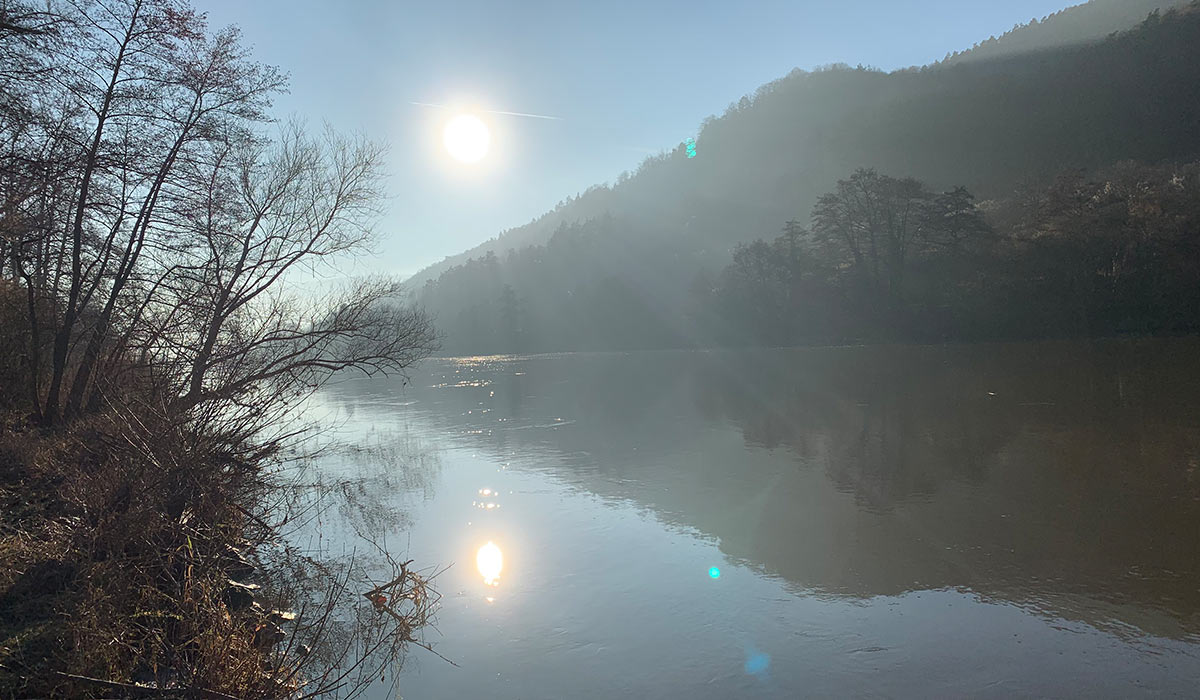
{"type": "Point", "coordinates": [624, 79]}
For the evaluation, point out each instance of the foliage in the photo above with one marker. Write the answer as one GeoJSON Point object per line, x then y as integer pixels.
{"type": "Point", "coordinates": [1117, 253]}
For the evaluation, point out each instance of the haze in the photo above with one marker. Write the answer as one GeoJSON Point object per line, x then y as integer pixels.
{"type": "Point", "coordinates": [629, 79]}
{"type": "Point", "coordinates": [538, 350]}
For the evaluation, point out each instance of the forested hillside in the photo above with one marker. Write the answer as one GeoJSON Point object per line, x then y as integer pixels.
{"type": "Point", "coordinates": [639, 264]}
{"type": "Point", "coordinates": [1087, 22]}
{"type": "Point", "coordinates": [1078, 24]}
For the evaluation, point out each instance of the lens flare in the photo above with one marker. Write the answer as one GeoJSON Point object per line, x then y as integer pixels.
{"type": "Point", "coordinates": [714, 572]}
{"type": "Point", "coordinates": [756, 662]}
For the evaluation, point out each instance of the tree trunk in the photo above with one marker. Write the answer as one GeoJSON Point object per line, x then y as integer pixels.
{"type": "Point", "coordinates": [62, 339]}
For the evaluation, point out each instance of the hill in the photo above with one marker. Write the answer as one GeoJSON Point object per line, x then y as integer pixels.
{"type": "Point", "coordinates": [621, 263]}
{"type": "Point", "coordinates": [1079, 24]}
{"type": "Point", "coordinates": [1088, 22]}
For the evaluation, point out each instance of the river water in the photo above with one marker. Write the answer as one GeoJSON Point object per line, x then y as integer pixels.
{"type": "Point", "coordinates": [1017, 520]}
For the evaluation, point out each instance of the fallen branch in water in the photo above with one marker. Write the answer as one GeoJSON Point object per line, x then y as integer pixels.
{"type": "Point", "coordinates": [412, 587]}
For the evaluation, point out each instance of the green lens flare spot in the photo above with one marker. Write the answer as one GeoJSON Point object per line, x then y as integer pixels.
{"type": "Point", "coordinates": [714, 572]}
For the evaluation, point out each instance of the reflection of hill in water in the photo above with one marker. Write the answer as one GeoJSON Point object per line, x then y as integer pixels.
{"type": "Point", "coordinates": [1059, 476]}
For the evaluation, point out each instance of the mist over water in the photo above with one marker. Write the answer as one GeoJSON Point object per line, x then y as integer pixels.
{"type": "Point", "coordinates": [901, 521]}
{"type": "Point", "coordinates": [436, 350]}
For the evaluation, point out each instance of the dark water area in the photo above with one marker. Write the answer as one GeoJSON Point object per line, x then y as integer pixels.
{"type": "Point", "coordinates": [1015, 520]}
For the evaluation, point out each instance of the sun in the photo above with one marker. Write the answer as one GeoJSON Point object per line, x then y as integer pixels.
{"type": "Point", "coordinates": [467, 138]}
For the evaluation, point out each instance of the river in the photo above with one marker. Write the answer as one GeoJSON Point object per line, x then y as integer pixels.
{"type": "Point", "coordinates": [1010, 520]}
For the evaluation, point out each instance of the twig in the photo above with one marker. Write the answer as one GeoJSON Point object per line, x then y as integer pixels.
{"type": "Point", "coordinates": [145, 690]}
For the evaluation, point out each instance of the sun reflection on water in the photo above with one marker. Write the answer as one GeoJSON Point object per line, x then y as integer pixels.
{"type": "Point", "coordinates": [490, 562]}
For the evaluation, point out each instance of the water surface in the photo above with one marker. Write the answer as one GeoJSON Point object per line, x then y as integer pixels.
{"type": "Point", "coordinates": [987, 521]}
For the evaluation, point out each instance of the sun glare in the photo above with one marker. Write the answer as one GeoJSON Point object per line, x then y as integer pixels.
{"type": "Point", "coordinates": [490, 562]}
{"type": "Point", "coordinates": [467, 138]}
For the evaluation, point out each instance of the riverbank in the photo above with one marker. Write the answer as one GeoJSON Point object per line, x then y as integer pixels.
{"type": "Point", "coordinates": [144, 552]}
{"type": "Point", "coordinates": [138, 557]}
{"type": "Point", "coordinates": [125, 560]}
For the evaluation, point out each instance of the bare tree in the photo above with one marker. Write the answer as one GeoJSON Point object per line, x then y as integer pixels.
{"type": "Point", "coordinates": [203, 89]}
{"type": "Point", "coordinates": [107, 101]}
{"type": "Point", "coordinates": [184, 271]}
{"type": "Point", "coordinates": [240, 316]}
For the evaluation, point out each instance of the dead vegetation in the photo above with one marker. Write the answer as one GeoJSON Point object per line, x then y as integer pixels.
{"type": "Point", "coordinates": [166, 257]}
{"type": "Point", "coordinates": [133, 563]}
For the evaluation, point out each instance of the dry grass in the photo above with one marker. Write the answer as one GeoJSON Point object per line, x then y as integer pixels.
{"type": "Point", "coordinates": [112, 551]}
{"type": "Point", "coordinates": [118, 538]}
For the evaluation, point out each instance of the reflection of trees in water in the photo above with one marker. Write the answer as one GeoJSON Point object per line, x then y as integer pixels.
{"type": "Point", "coordinates": [885, 423]}
{"type": "Point", "coordinates": [893, 422]}
{"type": "Point", "coordinates": [334, 595]}
{"type": "Point", "coordinates": [370, 481]}
{"type": "Point", "coordinates": [1044, 474]}
{"type": "Point", "coordinates": [1052, 474]}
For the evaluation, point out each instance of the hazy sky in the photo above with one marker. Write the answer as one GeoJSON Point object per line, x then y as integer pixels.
{"type": "Point", "coordinates": [626, 78]}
